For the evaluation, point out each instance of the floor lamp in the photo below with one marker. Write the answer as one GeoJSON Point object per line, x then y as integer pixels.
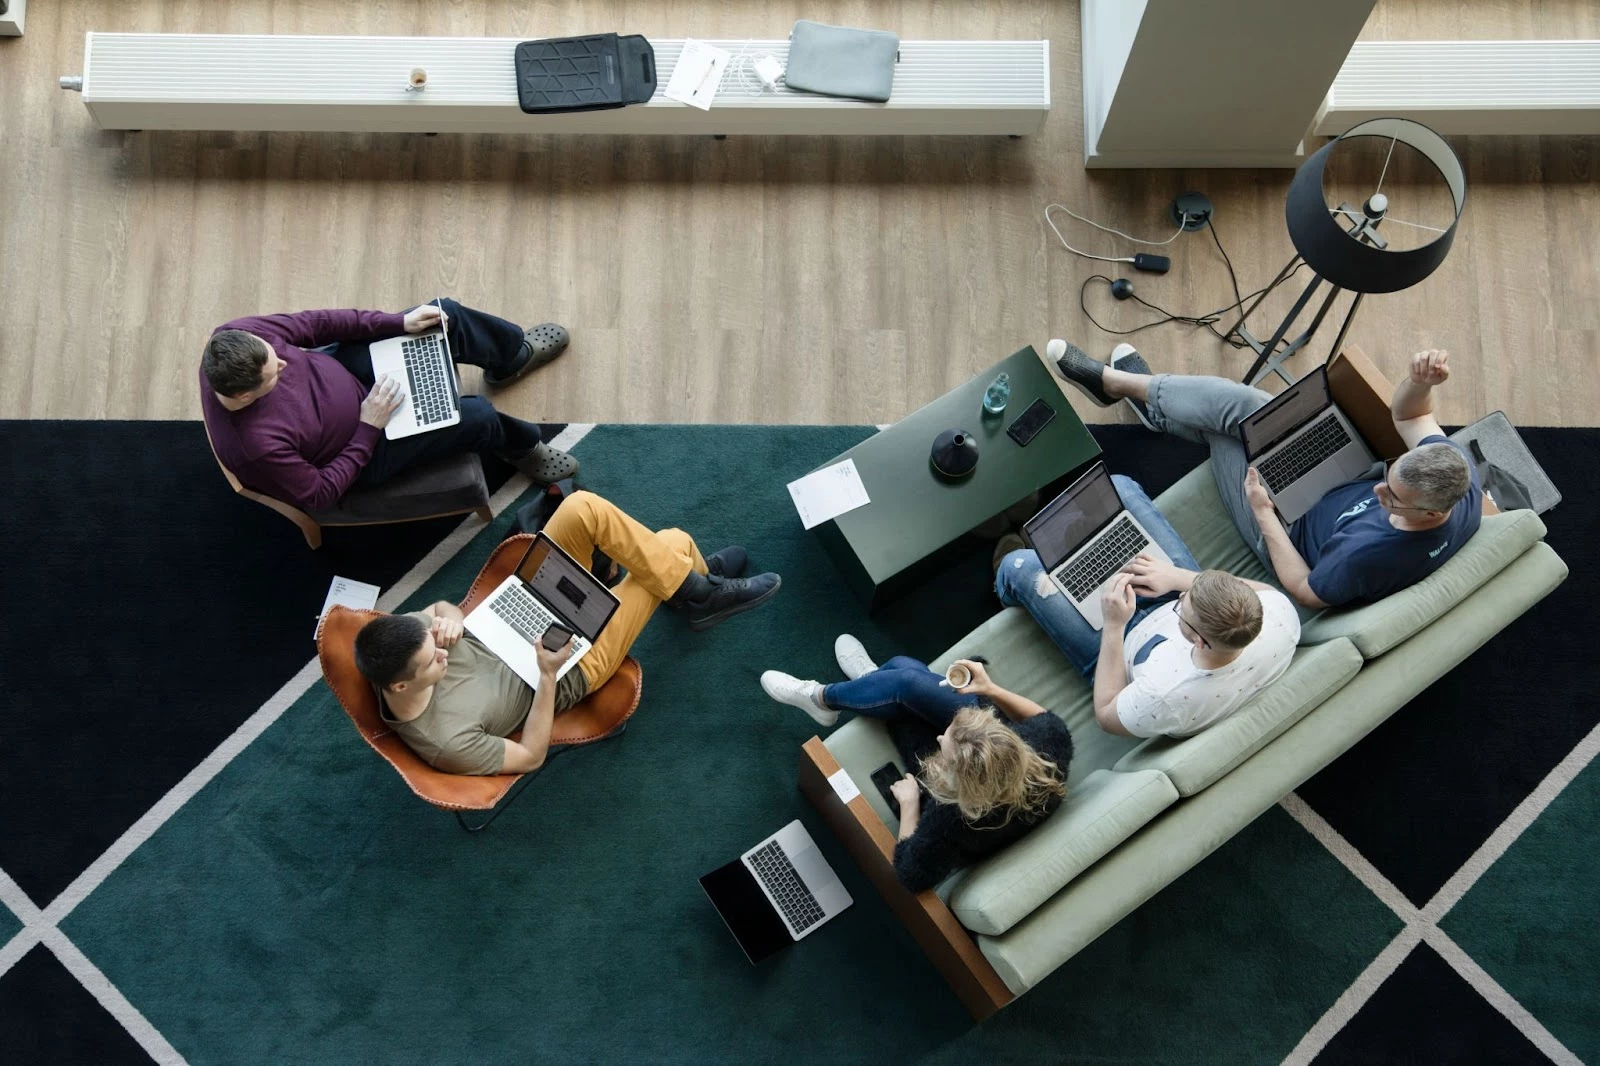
{"type": "Point", "coordinates": [1343, 246]}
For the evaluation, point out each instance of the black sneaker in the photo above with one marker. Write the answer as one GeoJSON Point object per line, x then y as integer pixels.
{"type": "Point", "coordinates": [729, 562]}
{"type": "Point", "coordinates": [1077, 367]}
{"type": "Point", "coordinates": [1126, 357]}
{"type": "Point", "coordinates": [730, 596]}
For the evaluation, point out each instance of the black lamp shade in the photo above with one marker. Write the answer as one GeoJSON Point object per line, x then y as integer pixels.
{"type": "Point", "coordinates": [1321, 238]}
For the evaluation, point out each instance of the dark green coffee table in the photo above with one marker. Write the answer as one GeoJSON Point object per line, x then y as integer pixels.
{"type": "Point", "coordinates": [915, 522]}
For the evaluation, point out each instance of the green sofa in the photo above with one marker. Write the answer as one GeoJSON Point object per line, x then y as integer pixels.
{"type": "Point", "coordinates": [1140, 813]}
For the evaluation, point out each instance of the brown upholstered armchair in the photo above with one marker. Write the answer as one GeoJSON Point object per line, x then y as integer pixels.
{"type": "Point", "coordinates": [603, 713]}
{"type": "Point", "coordinates": [450, 486]}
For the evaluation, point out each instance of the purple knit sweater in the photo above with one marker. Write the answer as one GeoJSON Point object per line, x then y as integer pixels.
{"type": "Point", "coordinates": [303, 442]}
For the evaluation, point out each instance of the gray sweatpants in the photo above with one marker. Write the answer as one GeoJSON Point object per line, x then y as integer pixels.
{"type": "Point", "coordinates": [1208, 411]}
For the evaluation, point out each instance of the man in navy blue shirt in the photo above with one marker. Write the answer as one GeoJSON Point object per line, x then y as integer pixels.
{"type": "Point", "coordinates": [1362, 541]}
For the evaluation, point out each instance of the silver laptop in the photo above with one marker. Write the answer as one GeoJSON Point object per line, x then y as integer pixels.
{"type": "Point", "coordinates": [778, 892]}
{"type": "Point", "coordinates": [549, 587]}
{"type": "Point", "coordinates": [1302, 445]}
{"type": "Point", "coordinates": [1084, 537]}
{"type": "Point", "coordinates": [427, 375]}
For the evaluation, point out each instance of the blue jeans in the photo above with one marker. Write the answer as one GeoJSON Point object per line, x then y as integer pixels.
{"type": "Point", "coordinates": [1022, 581]}
{"type": "Point", "coordinates": [900, 687]}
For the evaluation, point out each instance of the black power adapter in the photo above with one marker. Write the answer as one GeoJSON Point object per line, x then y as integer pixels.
{"type": "Point", "coordinates": [1154, 264]}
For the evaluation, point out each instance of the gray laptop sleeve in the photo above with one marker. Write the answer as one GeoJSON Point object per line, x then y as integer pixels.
{"type": "Point", "coordinates": [836, 61]}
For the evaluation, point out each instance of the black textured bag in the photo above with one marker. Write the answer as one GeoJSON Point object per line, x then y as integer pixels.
{"type": "Point", "coordinates": [1504, 487]}
{"type": "Point", "coordinates": [593, 73]}
{"type": "Point", "coordinates": [533, 516]}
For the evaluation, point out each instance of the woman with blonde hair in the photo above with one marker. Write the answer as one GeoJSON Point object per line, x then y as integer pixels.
{"type": "Point", "coordinates": [996, 769]}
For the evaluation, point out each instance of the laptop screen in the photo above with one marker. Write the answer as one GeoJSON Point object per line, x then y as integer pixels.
{"type": "Point", "coordinates": [1073, 517]}
{"type": "Point", "coordinates": [566, 587]}
{"type": "Point", "coordinates": [1286, 412]}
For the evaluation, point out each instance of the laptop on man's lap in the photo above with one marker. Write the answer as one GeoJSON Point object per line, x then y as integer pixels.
{"type": "Point", "coordinates": [1302, 445]}
{"type": "Point", "coordinates": [548, 587]}
{"type": "Point", "coordinates": [1084, 537]}
{"type": "Point", "coordinates": [423, 366]}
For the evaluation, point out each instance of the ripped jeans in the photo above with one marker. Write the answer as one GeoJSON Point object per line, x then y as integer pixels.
{"type": "Point", "coordinates": [1022, 581]}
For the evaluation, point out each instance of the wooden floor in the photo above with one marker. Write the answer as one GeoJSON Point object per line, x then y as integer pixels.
{"type": "Point", "coordinates": [751, 280]}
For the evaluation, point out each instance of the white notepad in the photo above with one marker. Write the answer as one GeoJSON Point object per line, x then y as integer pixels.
{"type": "Point", "coordinates": [348, 592]}
{"type": "Point", "coordinates": [697, 73]}
{"type": "Point", "coordinates": [828, 493]}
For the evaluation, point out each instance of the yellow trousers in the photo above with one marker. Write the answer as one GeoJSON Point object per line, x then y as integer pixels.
{"type": "Point", "coordinates": [657, 564]}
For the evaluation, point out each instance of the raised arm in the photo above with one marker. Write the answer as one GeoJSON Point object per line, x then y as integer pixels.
{"type": "Point", "coordinates": [312, 329]}
{"type": "Point", "coordinates": [1412, 405]}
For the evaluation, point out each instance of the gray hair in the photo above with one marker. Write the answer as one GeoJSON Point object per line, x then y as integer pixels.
{"type": "Point", "coordinates": [1437, 474]}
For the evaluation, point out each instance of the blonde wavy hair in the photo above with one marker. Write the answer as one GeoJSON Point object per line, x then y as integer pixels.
{"type": "Point", "coordinates": [990, 769]}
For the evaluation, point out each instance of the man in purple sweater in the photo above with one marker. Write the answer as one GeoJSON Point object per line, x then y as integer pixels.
{"type": "Point", "coordinates": [305, 426]}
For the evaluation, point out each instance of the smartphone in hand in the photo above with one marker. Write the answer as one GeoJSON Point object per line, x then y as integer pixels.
{"type": "Point", "coordinates": [884, 777]}
{"type": "Point", "coordinates": [555, 638]}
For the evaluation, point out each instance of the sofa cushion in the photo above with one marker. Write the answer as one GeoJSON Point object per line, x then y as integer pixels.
{"type": "Point", "coordinates": [1023, 659]}
{"type": "Point", "coordinates": [1195, 510]}
{"type": "Point", "coordinates": [1102, 811]}
{"type": "Point", "coordinates": [1193, 763]}
{"type": "Point", "coordinates": [1377, 627]}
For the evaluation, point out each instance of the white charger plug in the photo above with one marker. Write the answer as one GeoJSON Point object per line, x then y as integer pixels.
{"type": "Point", "coordinates": [769, 70]}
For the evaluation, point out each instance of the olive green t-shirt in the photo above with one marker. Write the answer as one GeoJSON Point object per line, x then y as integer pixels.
{"type": "Point", "coordinates": [479, 701]}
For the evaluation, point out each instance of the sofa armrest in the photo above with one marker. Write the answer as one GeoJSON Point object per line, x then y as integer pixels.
{"type": "Point", "coordinates": [948, 946]}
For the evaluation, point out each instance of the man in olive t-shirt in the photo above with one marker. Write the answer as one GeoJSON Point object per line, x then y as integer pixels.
{"type": "Point", "coordinates": [478, 701]}
{"type": "Point", "coordinates": [456, 704]}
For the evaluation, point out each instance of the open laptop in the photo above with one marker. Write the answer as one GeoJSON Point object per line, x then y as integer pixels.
{"type": "Point", "coordinates": [1084, 537]}
{"type": "Point", "coordinates": [549, 587]}
{"type": "Point", "coordinates": [1302, 445]}
{"type": "Point", "coordinates": [777, 892]}
{"type": "Point", "coordinates": [427, 374]}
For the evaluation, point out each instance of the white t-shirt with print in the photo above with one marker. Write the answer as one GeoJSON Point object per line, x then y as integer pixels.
{"type": "Point", "coordinates": [1168, 695]}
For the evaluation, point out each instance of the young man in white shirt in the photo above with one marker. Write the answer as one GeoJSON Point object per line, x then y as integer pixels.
{"type": "Point", "coordinates": [1170, 668]}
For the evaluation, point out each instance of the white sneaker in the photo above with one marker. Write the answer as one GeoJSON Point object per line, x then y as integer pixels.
{"type": "Point", "coordinates": [806, 695]}
{"type": "Point", "coordinates": [852, 656]}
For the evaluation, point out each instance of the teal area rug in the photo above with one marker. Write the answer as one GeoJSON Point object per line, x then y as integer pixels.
{"type": "Point", "coordinates": [304, 907]}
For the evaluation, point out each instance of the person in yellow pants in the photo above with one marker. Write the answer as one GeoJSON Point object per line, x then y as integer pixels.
{"type": "Point", "coordinates": [456, 704]}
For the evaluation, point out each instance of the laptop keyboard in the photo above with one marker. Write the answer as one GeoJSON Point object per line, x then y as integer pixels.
{"type": "Point", "coordinates": [1111, 551]}
{"type": "Point", "coordinates": [433, 388]}
{"type": "Point", "coordinates": [517, 607]}
{"type": "Point", "coordinates": [796, 902]}
{"type": "Point", "coordinates": [1317, 444]}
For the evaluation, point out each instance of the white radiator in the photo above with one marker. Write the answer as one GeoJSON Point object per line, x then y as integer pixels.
{"type": "Point", "coordinates": [1464, 87]}
{"type": "Point", "coordinates": [155, 81]}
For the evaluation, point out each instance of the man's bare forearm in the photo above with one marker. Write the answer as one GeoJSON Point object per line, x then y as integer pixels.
{"type": "Point", "coordinates": [1287, 562]}
{"type": "Point", "coordinates": [1110, 673]}
{"type": "Point", "coordinates": [541, 718]}
{"type": "Point", "coordinates": [1411, 399]}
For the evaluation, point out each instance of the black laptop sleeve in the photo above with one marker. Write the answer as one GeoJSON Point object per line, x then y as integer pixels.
{"type": "Point", "coordinates": [592, 73]}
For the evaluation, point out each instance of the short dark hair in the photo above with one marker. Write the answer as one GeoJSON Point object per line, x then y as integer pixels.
{"type": "Point", "coordinates": [385, 647]}
{"type": "Point", "coordinates": [233, 360]}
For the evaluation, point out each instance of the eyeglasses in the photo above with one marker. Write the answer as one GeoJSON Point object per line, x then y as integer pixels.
{"type": "Point", "coordinates": [1177, 609]}
{"type": "Point", "coordinates": [1388, 490]}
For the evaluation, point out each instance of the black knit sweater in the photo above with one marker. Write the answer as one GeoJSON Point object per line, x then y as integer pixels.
{"type": "Point", "coordinates": [944, 840]}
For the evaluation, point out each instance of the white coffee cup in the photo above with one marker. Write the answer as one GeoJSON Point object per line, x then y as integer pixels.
{"type": "Point", "coordinates": [958, 675]}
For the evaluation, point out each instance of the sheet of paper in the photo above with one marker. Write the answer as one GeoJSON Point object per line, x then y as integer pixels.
{"type": "Point", "coordinates": [697, 74]}
{"type": "Point", "coordinates": [843, 787]}
{"type": "Point", "coordinates": [828, 493]}
{"type": "Point", "coordinates": [348, 592]}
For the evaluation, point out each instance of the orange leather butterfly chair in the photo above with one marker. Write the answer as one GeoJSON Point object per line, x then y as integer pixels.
{"type": "Point", "coordinates": [603, 713]}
